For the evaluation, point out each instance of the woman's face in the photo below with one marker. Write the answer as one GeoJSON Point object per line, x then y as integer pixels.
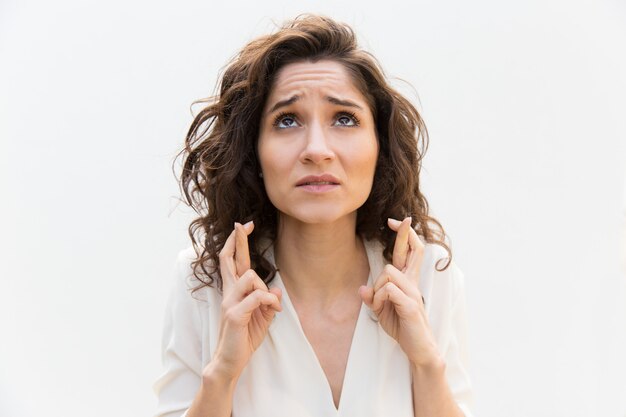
{"type": "Point", "coordinates": [317, 143]}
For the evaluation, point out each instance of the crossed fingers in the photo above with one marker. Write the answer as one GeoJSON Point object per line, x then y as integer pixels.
{"type": "Point", "coordinates": [235, 256]}
{"type": "Point", "coordinates": [408, 250]}
{"type": "Point", "coordinates": [238, 279]}
{"type": "Point", "coordinates": [400, 279]}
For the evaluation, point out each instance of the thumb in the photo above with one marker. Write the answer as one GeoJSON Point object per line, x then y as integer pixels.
{"type": "Point", "coordinates": [367, 295]}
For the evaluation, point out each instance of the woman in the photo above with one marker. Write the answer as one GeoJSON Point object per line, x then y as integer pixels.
{"type": "Point", "coordinates": [325, 297]}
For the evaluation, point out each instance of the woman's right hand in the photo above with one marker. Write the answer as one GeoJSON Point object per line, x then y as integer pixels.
{"type": "Point", "coordinates": [248, 306]}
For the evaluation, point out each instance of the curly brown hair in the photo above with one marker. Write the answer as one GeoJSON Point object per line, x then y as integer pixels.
{"type": "Point", "coordinates": [220, 178]}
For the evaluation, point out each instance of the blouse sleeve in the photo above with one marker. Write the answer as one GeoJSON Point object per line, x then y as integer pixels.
{"type": "Point", "coordinates": [180, 346]}
{"type": "Point", "coordinates": [456, 355]}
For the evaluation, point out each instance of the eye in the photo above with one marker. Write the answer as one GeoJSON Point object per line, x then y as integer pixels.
{"type": "Point", "coordinates": [345, 118]}
{"type": "Point", "coordinates": [287, 120]}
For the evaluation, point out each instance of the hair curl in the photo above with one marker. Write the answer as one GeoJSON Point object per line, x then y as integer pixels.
{"type": "Point", "coordinates": [220, 178]}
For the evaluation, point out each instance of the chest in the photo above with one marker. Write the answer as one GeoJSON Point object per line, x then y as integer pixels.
{"type": "Point", "coordinates": [332, 371]}
{"type": "Point", "coordinates": [331, 340]}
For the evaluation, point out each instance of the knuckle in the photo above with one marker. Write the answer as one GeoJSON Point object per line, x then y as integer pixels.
{"type": "Point", "coordinates": [226, 302]}
{"type": "Point", "coordinates": [250, 278]}
{"type": "Point", "coordinates": [388, 269]}
{"type": "Point", "coordinates": [257, 280]}
{"type": "Point", "coordinates": [268, 298]}
{"type": "Point", "coordinates": [243, 283]}
{"type": "Point", "coordinates": [247, 276]}
{"type": "Point", "coordinates": [230, 315]}
{"type": "Point", "coordinates": [258, 293]}
{"type": "Point", "coordinates": [381, 292]}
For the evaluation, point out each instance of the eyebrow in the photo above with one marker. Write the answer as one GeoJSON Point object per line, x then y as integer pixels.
{"type": "Point", "coordinates": [330, 99]}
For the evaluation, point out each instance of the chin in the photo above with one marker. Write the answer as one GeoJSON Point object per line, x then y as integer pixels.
{"type": "Point", "coordinates": [320, 214]}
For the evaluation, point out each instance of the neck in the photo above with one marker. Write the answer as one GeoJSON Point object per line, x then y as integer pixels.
{"type": "Point", "coordinates": [320, 264]}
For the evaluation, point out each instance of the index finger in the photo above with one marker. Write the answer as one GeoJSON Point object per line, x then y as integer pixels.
{"type": "Point", "coordinates": [227, 262]}
{"type": "Point", "coordinates": [242, 252]}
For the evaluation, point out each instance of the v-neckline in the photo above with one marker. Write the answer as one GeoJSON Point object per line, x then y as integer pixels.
{"type": "Point", "coordinates": [320, 370]}
{"type": "Point", "coordinates": [349, 372]}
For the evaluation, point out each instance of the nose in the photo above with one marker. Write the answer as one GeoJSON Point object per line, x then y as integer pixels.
{"type": "Point", "coordinates": [317, 147]}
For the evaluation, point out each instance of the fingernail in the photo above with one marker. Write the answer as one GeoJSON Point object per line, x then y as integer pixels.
{"type": "Point", "coordinates": [248, 227]}
{"type": "Point", "coordinates": [393, 222]}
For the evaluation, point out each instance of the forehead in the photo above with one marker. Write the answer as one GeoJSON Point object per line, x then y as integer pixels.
{"type": "Point", "coordinates": [327, 75]}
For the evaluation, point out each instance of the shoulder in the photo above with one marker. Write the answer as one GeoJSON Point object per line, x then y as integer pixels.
{"type": "Point", "coordinates": [185, 257]}
{"type": "Point", "coordinates": [449, 281]}
{"type": "Point", "coordinates": [436, 256]}
{"type": "Point", "coordinates": [186, 281]}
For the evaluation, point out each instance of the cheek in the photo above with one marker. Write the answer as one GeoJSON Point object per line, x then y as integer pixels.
{"type": "Point", "coordinates": [272, 161]}
{"type": "Point", "coordinates": [275, 168]}
{"type": "Point", "coordinates": [368, 159]}
{"type": "Point", "coordinates": [265, 156]}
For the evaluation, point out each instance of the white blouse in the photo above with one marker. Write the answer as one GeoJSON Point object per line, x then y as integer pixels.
{"type": "Point", "coordinates": [284, 376]}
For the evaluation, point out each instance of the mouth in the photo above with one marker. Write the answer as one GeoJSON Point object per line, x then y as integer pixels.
{"type": "Point", "coordinates": [318, 183]}
{"type": "Point", "coordinates": [318, 187]}
{"type": "Point", "coordinates": [318, 180]}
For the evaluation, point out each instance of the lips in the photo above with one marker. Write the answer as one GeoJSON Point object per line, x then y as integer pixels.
{"type": "Point", "coordinates": [319, 183]}
{"type": "Point", "coordinates": [325, 179]}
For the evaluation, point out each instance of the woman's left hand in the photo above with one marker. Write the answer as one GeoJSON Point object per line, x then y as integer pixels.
{"type": "Point", "coordinates": [397, 301]}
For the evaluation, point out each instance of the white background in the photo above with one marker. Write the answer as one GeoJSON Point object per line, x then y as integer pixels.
{"type": "Point", "coordinates": [525, 106]}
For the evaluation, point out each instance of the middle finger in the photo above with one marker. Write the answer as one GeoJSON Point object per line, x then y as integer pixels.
{"type": "Point", "coordinates": [242, 252]}
{"type": "Point", "coordinates": [401, 246]}
{"type": "Point", "coordinates": [416, 255]}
